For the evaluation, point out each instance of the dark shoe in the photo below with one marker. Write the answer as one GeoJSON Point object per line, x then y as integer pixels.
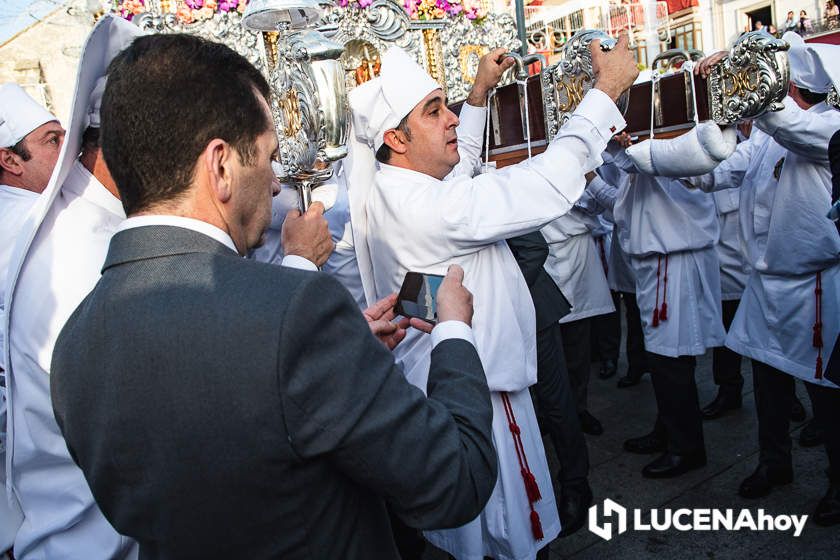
{"type": "Point", "coordinates": [574, 504]}
{"type": "Point", "coordinates": [589, 424]}
{"type": "Point", "coordinates": [608, 369]}
{"type": "Point", "coordinates": [669, 465]}
{"type": "Point", "coordinates": [811, 435]}
{"type": "Point", "coordinates": [797, 411]}
{"type": "Point", "coordinates": [723, 403]}
{"type": "Point", "coordinates": [653, 442]}
{"type": "Point", "coordinates": [760, 482]}
{"type": "Point", "coordinates": [828, 510]}
{"type": "Point", "coordinates": [629, 380]}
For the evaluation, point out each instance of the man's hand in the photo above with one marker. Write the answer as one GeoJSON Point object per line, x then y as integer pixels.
{"type": "Point", "coordinates": [490, 69]}
{"type": "Point", "coordinates": [615, 70]}
{"type": "Point", "coordinates": [307, 235]}
{"type": "Point", "coordinates": [704, 67]}
{"type": "Point", "coordinates": [624, 140]}
{"type": "Point", "coordinates": [454, 301]}
{"type": "Point", "coordinates": [379, 317]}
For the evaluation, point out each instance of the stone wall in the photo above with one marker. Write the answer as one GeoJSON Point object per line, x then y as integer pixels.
{"type": "Point", "coordinates": [43, 58]}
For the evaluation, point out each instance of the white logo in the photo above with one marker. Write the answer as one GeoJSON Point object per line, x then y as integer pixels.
{"type": "Point", "coordinates": [685, 519]}
{"type": "Point", "coordinates": [610, 508]}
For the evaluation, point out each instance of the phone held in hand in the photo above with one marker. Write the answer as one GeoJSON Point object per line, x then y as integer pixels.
{"type": "Point", "coordinates": [418, 296]}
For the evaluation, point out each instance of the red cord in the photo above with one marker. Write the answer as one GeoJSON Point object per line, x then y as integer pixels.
{"type": "Point", "coordinates": [663, 313]}
{"type": "Point", "coordinates": [656, 307]}
{"type": "Point", "coordinates": [532, 490]}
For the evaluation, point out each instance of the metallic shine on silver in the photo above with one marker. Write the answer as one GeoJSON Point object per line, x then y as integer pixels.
{"type": "Point", "coordinates": [752, 80]}
{"type": "Point", "coordinates": [267, 15]}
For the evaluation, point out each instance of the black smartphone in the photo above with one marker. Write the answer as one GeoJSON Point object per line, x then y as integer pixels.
{"type": "Point", "coordinates": [418, 296]}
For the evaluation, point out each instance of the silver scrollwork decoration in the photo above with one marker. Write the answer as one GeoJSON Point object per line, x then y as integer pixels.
{"type": "Point", "coordinates": [221, 28]}
{"type": "Point", "coordinates": [565, 83]}
{"type": "Point", "coordinates": [465, 42]}
{"type": "Point", "coordinates": [752, 80]}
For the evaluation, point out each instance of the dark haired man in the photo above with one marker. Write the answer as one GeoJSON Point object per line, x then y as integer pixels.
{"type": "Point", "coordinates": [277, 426]}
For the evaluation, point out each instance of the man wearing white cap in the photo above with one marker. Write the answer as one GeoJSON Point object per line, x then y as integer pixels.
{"type": "Point", "coordinates": [789, 315]}
{"type": "Point", "coordinates": [54, 265]}
{"type": "Point", "coordinates": [423, 210]}
{"type": "Point", "coordinates": [30, 139]}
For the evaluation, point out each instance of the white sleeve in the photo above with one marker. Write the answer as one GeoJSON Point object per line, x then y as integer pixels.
{"type": "Point", "coordinates": [470, 140]}
{"type": "Point", "coordinates": [452, 329]}
{"type": "Point", "coordinates": [729, 174]}
{"type": "Point", "coordinates": [603, 193]}
{"type": "Point", "coordinates": [522, 198]}
{"type": "Point", "coordinates": [804, 133]}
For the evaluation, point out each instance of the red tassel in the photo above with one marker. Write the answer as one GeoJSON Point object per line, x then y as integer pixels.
{"type": "Point", "coordinates": [818, 341]}
{"type": "Point", "coordinates": [819, 368]}
{"type": "Point", "coordinates": [663, 315]}
{"type": "Point", "coordinates": [532, 489]}
{"type": "Point", "coordinates": [817, 335]}
{"type": "Point", "coordinates": [536, 526]}
{"type": "Point", "coordinates": [655, 316]}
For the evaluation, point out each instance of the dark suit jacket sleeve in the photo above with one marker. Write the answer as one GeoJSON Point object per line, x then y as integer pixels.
{"type": "Point", "coordinates": [432, 459]}
{"type": "Point", "coordinates": [530, 251]}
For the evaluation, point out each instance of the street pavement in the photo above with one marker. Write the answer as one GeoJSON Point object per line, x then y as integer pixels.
{"type": "Point", "coordinates": [732, 449]}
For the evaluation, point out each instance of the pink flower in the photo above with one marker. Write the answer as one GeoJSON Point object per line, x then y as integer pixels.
{"type": "Point", "coordinates": [365, 3]}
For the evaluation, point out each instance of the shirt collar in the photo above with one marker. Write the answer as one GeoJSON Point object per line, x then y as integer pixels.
{"type": "Point", "coordinates": [179, 221]}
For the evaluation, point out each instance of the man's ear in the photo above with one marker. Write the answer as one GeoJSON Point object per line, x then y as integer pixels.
{"type": "Point", "coordinates": [396, 140]}
{"type": "Point", "coordinates": [217, 160]}
{"type": "Point", "coordinates": [9, 162]}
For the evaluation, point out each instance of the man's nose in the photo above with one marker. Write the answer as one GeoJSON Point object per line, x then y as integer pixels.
{"type": "Point", "coordinates": [453, 119]}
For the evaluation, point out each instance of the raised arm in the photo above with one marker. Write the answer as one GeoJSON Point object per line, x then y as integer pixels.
{"type": "Point", "coordinates": [805, 133]}
{"type": "Point", "coordinates": [432, 459]}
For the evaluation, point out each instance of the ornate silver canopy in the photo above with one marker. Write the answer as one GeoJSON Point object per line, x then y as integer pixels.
{"type": "Point", "coordinates": [753, 79]}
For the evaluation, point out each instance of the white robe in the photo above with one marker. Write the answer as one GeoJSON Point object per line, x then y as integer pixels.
{"type": "Point", "coordinates": [61, 266]}
{"type": "Point", "coordinates": [786, 237]}
{"type": "Point", "coordinates": [415, 222]}
{"type": "Point", "coordinates": [734, 269]}
{"type": "Point", "coordinates": [671, 231]}
{"type": "Point", "coordinates": [574, 263]}
{"type": "Point", "coordinates": [15, 205]}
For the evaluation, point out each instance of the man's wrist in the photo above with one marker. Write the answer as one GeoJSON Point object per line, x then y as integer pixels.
{"type": "Point", "coordinates": [478, 96]}
{"type": "Point", "coordinates": [609, 90]}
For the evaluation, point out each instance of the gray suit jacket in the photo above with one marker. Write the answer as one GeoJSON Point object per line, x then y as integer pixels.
{"type": "Point", "coordinates": [224, 408]}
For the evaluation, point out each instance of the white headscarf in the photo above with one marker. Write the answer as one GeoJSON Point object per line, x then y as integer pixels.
{"type": "Point", "coordinates": [813, 66]}
{"type": "Point", "coordinates": [376, 107]}
{"type": "Point", "coordinates": [380, 104]}
{"type": "Point", "coordinates": [109, 36]}
{"type": "Point", "coordinates": [19, 115]}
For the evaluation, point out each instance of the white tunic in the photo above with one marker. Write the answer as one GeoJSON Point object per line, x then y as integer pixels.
{"type": "Point", "coordinates": [734, 269]}
{"type": "Point", "coordinates": [786, 237]}
{"type": "Point", "coordinates": [418, 223]}
{"type": "Point", "coordinates": [15, 205]}
{"type": "Point", "coordinates": [574, 263]}
{"type": "Point", "coordinates": [670, 233]}
{"type": "Point", "coordinates": [61, 267]}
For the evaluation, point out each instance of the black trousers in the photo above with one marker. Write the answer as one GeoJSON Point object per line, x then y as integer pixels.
{"type": "Point", "coordinates": [635, 345]}
{"type": "Point", "coordinates": [676, 398]}
{"type": "Point", "coordinates": [726, 364]}
{"type": "Point", "coordinates": [606, 333]}
{"type": "Point", "coordinates": [576, 348]}
{"type": "Point", "coordinates": [774, 391]}
{"type": "Point", "coordinates": [556, 409]}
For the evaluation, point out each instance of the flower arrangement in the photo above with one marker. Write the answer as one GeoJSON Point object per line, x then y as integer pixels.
{"type": "Point", "coordinates": [426, 10]}
{"type": "Point", "coordinates": [187, 11]}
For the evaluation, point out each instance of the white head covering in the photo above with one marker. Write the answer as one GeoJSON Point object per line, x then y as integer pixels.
{"type": "Point", "coordinates": [109, 36]}
{"type": "Point", "coordinates": [813, 66]}
{"type": "Point", "coordinates": [19, 115]}
{"type": "Point", "coordinates": [95, 104]}
{"type": "Point", "coordinates": [380, 104]}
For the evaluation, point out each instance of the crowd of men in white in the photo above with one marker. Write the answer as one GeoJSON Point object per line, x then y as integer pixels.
{"type": "Point", "coordinates": [751, 233]}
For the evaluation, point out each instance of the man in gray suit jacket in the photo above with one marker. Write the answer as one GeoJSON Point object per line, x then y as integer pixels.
{"type": "Point", "coordinates": [224, 408]}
